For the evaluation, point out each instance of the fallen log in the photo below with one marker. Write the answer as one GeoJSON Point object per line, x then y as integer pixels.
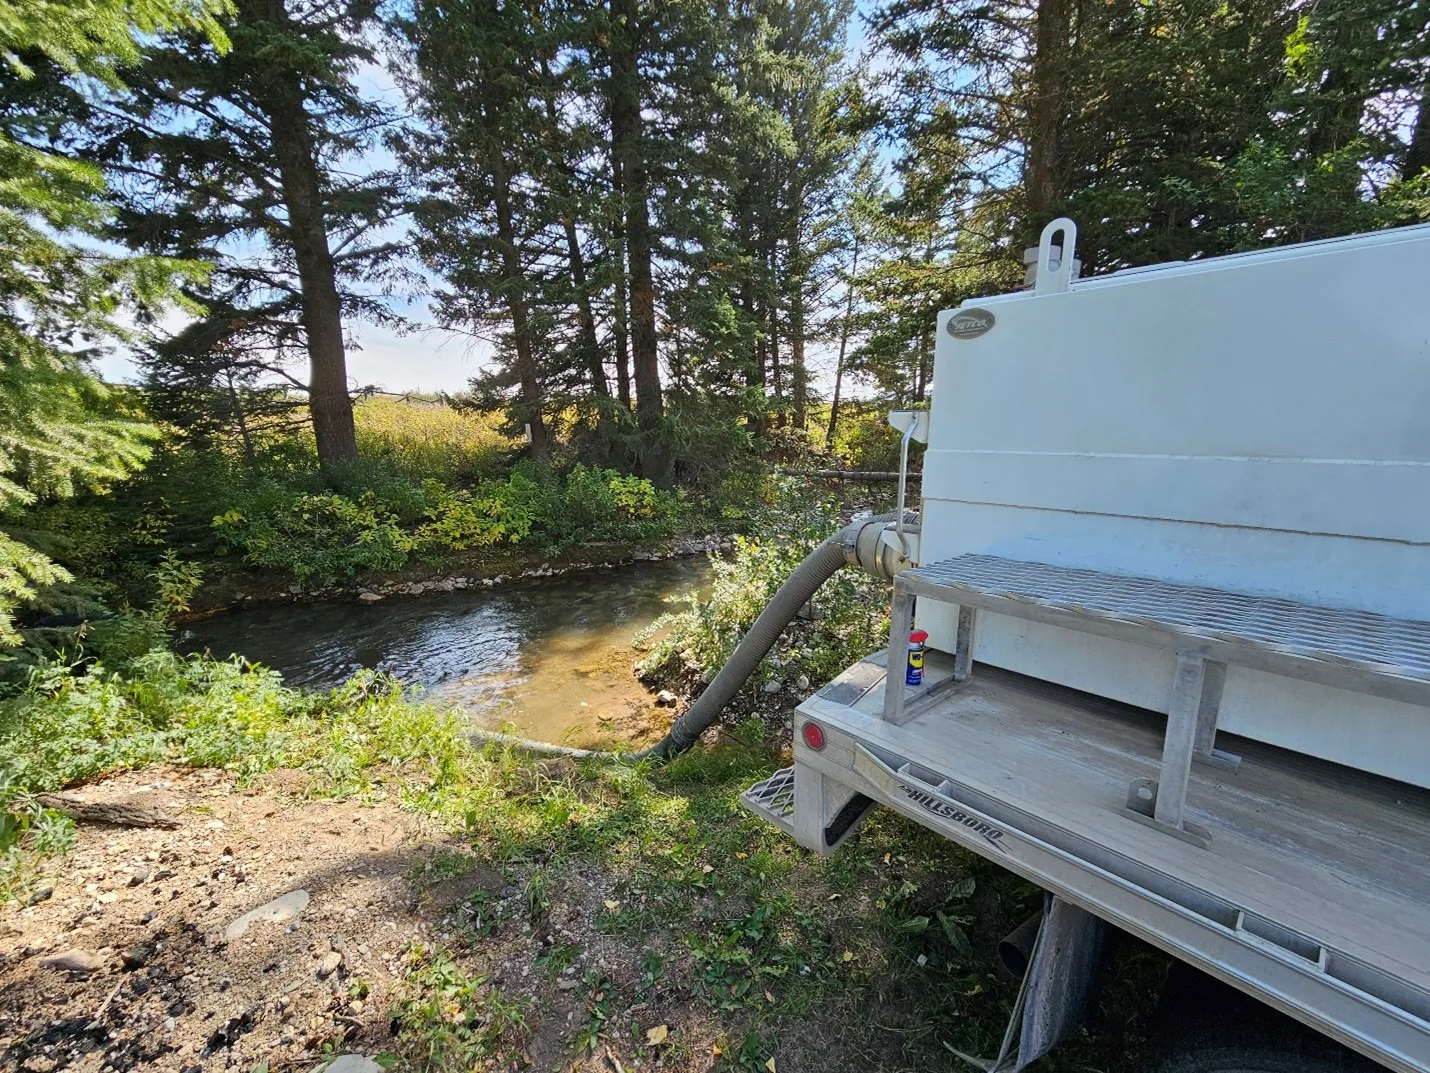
{"type": "Point", "coordinates": [112, 813]}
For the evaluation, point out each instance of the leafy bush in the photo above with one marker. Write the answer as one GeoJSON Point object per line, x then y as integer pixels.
{"type": "Point", "coordinates": [329, 535]}
{"type": "Point", "coordinates": [864, 439]}
{"type": "Point", "coordinates": [73, 723]}
{"type": "Point", "coordinates": [848, 618]}
{"type": "Point", "coordinates": [461, 520]}
{"type": "Point", "coordinates": [29, 833]}
{"type": "Point", "coordinates": [319, 535]}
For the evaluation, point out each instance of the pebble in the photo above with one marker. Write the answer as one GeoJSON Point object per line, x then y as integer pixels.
{"type": "Point", "coordinates": [369, 597]}
{"type": "Point", "coordinates": [329, 965]}
{"type": "Point", "coordinates": [774, 685]}
{"type": "Point", "coordinates": [353, 1063]}
{"type": "Point", "coordinates": [41, 895]}
{"type": "Point", "coordinates": [665, 698]}
{"type": "Point", "coordinates": [278, 910]}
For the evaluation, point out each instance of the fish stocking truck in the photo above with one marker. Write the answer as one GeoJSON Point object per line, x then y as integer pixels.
{"type": "Point", "coordinates": [1170, 592]}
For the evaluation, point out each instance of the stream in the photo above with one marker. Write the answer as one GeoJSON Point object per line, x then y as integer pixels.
{"type": "Point", "coordinates": [551, 656]}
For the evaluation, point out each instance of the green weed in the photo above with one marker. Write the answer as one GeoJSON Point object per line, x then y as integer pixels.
{"type": "Point", "coordinates": [461, 1020]}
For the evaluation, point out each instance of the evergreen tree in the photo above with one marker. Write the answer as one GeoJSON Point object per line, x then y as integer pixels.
{"type": "Point", "coordinates": [243, 158]}
{"type": "Point", "coordinates": [61, 429]}
{"type": "Point", "coordinates": [1168, 129]}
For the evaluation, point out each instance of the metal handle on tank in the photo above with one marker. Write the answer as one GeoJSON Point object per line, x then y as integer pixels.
{"type": "Point", "coordinates": [1054, 277]}
{"type": "Point", "coordinates": [914, 425]}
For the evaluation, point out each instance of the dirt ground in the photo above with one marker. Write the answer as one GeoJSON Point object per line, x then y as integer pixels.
{"type": "Point", "coordinates": [150, 907]}
{"type": "Point", "coordinates": [143, 913]}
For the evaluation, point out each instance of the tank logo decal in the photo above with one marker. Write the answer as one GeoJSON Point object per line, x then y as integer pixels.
{"type": "Point", "coordinates": [944, 811]}
{"type": "Point", "coordinates": [971, 323]}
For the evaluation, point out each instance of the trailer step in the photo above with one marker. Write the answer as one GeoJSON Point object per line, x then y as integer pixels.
{"type": "Point", "coordinates": [773, 799]}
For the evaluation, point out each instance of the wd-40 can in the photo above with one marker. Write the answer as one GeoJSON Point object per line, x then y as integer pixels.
{"type": "Point", "coordinates": [914, 674]}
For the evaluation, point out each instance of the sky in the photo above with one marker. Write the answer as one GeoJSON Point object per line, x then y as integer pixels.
{"type": "Point", "coordinates": [429, 358]}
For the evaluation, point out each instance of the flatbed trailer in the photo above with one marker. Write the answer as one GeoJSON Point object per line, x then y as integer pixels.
{"type": "Point", "coordinates": [1175, 539]}
{"type": "Point", "coordinates": [1311, 891]}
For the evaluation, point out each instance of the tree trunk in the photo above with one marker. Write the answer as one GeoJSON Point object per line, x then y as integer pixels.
{"type": "Point", "coordinates": [241, 419]}
{"type": "Point", "coordinates": [588, 341]}
{"type": "Point", "coordinates": [628, 138]}
{"type": "Point", "coordinates": [755, 358]}
{"type": "Point", "coordinates": [280, 93]}
{"type": "Point", "coordinates": [621, 313]}
{"type": "Point", "coordinates": [772, 314]}
{"type": "Point", "coordinates": [843, 345]}
{"type": "Point", "coordinates": [513, 278]}
{"type": "Point", "coordinates": [1417, 155]}
{"type": "Point", "coordinates": [1046, 101]}
{"type": "Point", "coordinates": [799, 374]}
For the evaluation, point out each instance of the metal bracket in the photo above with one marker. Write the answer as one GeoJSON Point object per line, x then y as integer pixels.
{"type": "Point", "coordinates": [1057, 990]}
{"type": "Point", "coordinates": [1141, 806]}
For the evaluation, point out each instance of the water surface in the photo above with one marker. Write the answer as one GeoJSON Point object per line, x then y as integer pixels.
{"type": "Point", "coordinates": [550, 655]}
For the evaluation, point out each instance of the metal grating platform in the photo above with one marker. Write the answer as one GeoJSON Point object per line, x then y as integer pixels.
{"type": "Point", "coordinates": [773, 799]}
{"type": "Point", "coordinates": [1368, 642]}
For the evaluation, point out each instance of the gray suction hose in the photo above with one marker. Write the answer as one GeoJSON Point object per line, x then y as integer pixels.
{"type": "Point", "coordinates": [857, 544]}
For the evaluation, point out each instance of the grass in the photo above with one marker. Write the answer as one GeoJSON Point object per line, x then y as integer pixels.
{"type": "Point", "coordinates": [658, 922]}
{"type": "Point", "coordinates": [703, 921]}
{"type": "Point", "coordinates": [431, 439]}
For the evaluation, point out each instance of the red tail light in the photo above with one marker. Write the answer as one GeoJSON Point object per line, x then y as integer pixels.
{"type": "Point", "coordinates": [813, 735]}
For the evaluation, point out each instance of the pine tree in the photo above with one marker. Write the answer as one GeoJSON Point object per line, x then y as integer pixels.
{"type": "Point", "coordinates": [242, 158]}
{"type": "Point", "coordinates": [61, 429]}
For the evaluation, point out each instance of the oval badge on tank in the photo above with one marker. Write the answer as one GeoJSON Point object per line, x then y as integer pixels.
{"type": "Point", "coordinates": [971, 323]}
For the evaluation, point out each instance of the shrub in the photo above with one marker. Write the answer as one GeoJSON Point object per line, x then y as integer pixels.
{"type": "Point", "coordinates": [319, 535]}
{"type": "Point", "coordinates": [73, 723]}
{"type": "Point", "coordinates": [864, 439]}
{"type": "Point", "coordinates": [461, 520]}
{"type": "Point", "coordinates": [848, 617]}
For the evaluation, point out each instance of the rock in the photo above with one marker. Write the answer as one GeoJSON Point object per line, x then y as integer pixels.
{"type": "Point", "coordinates": [74, 960]}
{"type": "Point", "coordinates": [332, 960]}
{"type": "Point", "coordinates": [369, 597]}
{"type": "Point", "coordinates": [353, 1063]}
{"type": "Point", "coordinates": [136, 957]}
{"type": "Point", "coordinates": [43, 894]}
{"type": "Point", "coordinates": [774, 685]}
{"type": "Point", "coordinates": [801, 683]}
{"type": "Point", "coordinates": [138, 877]}
{"type": "Point", "coordinates": [279, 909]}
{"type": "Point", "coordinates": [666, 699]}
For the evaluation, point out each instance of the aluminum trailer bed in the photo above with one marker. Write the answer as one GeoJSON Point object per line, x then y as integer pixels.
{"type": "Point", "coordinates": [1313, 893]}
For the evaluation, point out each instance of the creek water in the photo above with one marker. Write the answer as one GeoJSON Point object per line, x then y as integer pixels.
{"type": "Point", "coordinates": [552, 656]}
